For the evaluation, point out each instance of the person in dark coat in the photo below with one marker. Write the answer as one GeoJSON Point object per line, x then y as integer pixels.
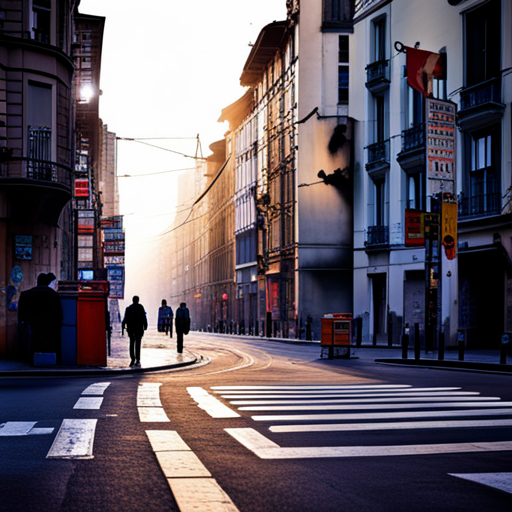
{"type": "Point", "coordinates": [165, 316]}
{"type": "Point", "coordinates": [135, 323]}
{"type": "Point", "coordinates": [182, 321]}
{"type": "Point", "coordinates": [40, 317]}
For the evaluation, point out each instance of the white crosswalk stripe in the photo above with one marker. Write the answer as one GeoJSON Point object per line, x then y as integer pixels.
{"type": "Point", "coordinates": [362, 408]}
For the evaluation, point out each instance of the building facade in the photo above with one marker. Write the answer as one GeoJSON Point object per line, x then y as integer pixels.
{"type": "Point", "coordinates": [277, 243]}
{"type": "Point", "coordinates": [36, 149]}
{"type": "Point", "coordinates": [432, 213]}
{"type": "Point", "coordinates": [45, 60]}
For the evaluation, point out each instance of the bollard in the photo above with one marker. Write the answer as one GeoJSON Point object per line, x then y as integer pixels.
{"type": "Point", "coordinates": [417, 342]}
{"type": "Point", "coordinates": [462, 343]}
{"type": "Point", "coordinates": [359, 331]}
{"type": "Point", "coordinates": [441, 347]}
{"type": "Point", "coordinates": [405, 341]}
{"type": "Point", "coordinates": [505, 340]}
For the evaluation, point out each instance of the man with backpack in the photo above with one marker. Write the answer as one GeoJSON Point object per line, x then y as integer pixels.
{"type": "Point", "coordinates": [182, 322]}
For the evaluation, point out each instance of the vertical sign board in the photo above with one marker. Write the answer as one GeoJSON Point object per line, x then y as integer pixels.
{"type": "Point", "coordinates": [414, 228]}
{"type": "Point", "coordinates": [440, 147]}
{"type": "Point", "coordinates": [449, 228]}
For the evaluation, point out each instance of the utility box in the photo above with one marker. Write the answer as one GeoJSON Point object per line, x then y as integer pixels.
{"type": "Point", "coordinates": [84, 330]}
{"type": "Point", "coordinates": [336, 334]}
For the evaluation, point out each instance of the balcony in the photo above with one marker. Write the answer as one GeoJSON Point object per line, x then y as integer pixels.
{"type": "Point", "coordinates": [377, 76]}
{"type": "Point", "coordinates": [480, 206]}
{"type": "Point", "coordinates": [377, 237]}
{"type": "Point", "coordinates": [377, 163]}
{"type": "Point", "coordinates": [37, 190]}
{"type": "Point", "coordinates": [412, 156]}
{"type": "Point", "coordinates": [480, 105]}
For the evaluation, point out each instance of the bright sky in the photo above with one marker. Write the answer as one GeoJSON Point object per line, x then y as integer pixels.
{"type": "Point", "coordinates": [168, 69]}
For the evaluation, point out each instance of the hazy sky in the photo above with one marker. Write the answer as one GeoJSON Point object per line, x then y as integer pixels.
{"type": "Point", "coordinates": [168, 69]}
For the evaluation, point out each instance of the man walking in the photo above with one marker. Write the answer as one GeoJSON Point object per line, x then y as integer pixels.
{"type": "Point", "coordinates": [165, 316]}
{"type": "Point", "coordinates": [136, 323]}
{"type": "Point", "coordinates": [182, 321]}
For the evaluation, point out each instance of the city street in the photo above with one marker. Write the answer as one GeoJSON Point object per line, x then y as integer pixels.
{"type": "Point", "coordinates": [258, 426]}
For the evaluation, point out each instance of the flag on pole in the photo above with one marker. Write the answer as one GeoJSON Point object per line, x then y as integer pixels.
{"type": "Point", "coordinates": [422, 66]}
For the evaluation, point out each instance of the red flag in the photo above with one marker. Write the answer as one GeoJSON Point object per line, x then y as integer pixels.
{"type": "Point", "coordinates": [422, 66]}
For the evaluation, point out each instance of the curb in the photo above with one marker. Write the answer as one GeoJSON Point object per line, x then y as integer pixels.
{"type": "Point", "coordinates": [473, 366]}
{"type": "Point", "coordinates": [84, 372]}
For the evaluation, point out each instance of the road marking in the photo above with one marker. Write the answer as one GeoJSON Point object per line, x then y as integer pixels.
{"type": "Point", "coordinates": [355, 406]}
{"type": "Point", "coordinates": [189, 480]}
{"type": "Point", "coordinates": [166, 440]}
{"type": "Point", "coordinates": [152, 414]}
{"type": "Point", "coordinates": [266, 449]}
{"type": "Point", "coordinates": [149, 404]}
{"type": "Point", "coordinates": [291, 398]}
{"type": "Point", "coordinates": [96, 389]}
{"type": "Point", "coordinates": [329, 391]}
{"type": "Point", "coordinates": [329, 427]}
{"type": "Point", "coordinates": [22, 428]}
{"type": "Point", "coordinates": [501, 481]}
{"type": "Point", "coordinates": [74, 440]}
{"type": "Point", "coordinates": [210, 404]}
{"type": "Point", "coordinates": [204, 494]}
{"type": "Point", "coordinates": [304, 388]}
{"type": "Point", "coordinates": [363, 400]}
{"type": "Point", "coordinates": [383, 415]}
{"type": "Point", "coordinates": [89, 402]}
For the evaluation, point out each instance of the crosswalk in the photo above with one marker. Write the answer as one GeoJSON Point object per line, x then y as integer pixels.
{"type": "Point", "coordinates": [361, 408]}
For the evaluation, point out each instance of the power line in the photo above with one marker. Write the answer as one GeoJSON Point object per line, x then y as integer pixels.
{"type": "Point", "coordinates": [139, 141]}
{"type": "Point", "coordinates": [154, 173]}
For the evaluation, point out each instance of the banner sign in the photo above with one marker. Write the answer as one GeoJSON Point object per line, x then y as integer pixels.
{"type": "Point", "coordinates": [414, 228]}
{"type": "Point", "coordinates": [440, 147]}
{"type": "Point", "coordinates": [449, 228]}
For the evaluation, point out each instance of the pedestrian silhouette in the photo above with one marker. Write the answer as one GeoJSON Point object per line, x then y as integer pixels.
{"type": "Point", "coordinates": [135, 323]}
{"type": "Point", "coordinates": [182, 322]}
{"type": "Point", "coordinates": [40, 318]}
{"type": "Point", "coordinates": [165, 316]}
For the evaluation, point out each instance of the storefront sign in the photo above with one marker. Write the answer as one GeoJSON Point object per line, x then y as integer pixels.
{"type": "Point", "coordinates": [414, 228]}
{"type": "Point", "coordinates": [440, 147]}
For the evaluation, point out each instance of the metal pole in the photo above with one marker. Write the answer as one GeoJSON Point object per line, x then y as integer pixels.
{"type": "Point", "coordinates": [417, 343]}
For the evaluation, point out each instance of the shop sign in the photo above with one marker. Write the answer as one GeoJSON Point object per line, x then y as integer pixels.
{"type": "Point", "coordinates": [414, 228]}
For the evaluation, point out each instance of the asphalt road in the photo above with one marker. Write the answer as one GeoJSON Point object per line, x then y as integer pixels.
{"type": "Point", "coordinates": [261, 427]}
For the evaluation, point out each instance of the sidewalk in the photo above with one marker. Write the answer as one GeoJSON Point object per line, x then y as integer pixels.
{"type": "Point", "coordinates": [158, 353]}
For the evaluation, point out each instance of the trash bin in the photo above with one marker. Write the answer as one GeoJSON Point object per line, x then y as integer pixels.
{"type": "Point", "coordinates": [336, 334]}
{"type": "Point", "coordinates": [84, 329]}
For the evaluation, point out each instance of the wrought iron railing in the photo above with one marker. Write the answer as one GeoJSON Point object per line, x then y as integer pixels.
{"type": "Point", "coordinates": [413, 138]}
{"type": "Point", "coordinates": [378, 153]}
{"type": "Point", "coordinates": [377, 236]}
{"type": "Point", "coordinates": [377, 70]}
{"type": "Point", "coordinates": [36, 170]}
{"type": "Point", "coordinates": [480, 206]}
{"type": "Point", "coordinates": [480, 94]}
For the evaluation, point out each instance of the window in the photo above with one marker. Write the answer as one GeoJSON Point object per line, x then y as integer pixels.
{"type": "Point", "coordinates": [482, 186]}
{"type": "Point", "coordinates": [415, 108]}
{"type": "Point", "coordinates": [414, 191]}
{"type": "Point", "coordinates": [343, 72]}
{"type": "Point", "coordinates": [379, 191]}
{"type": "Point", "coordinates": [379, 39]}
{"type": "Point", "coordinates": [337, 11]}
{"type": "Point", "coordinates": [380, 128]}
{"type": "Point", "coordinates": [483, 42]}
{"type": "Point", "coordinates": [41, 19]}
